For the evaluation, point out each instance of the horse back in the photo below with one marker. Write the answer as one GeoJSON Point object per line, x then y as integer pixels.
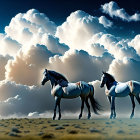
{"type": "Point", "coordinates": [120, 90]}
{"type": "Point", "coordinates": [135, 88]}
{"type": "Point", "coordinates": [72, 90]}
{"type": "Point", "coordinates": [124, 89]}
{"type": "Point", "coordinates": [86, 89]}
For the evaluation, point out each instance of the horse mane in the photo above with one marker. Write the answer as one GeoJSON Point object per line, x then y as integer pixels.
{"type": "Point", "coordinates": [111, 78]}
{"type": "Point", "coordinates": [57, 75]}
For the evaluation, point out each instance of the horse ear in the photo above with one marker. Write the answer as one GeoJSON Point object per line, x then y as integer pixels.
{"type": "Point", "coordinates": [46, 71]}
{"type": "Point", "coordinates": [103, 72]}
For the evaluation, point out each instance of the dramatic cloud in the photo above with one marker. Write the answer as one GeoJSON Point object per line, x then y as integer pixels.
{"type": "Point", "coordinates": [79, 65]}
{"type": "Point", "coordinates": [78, 29]}
{"type": "Point", "coordinates": [125, 70]}
{"type": "Point", "coordinates": [118, 47]}
{"type": "Point", "coordinates": [33, 28]}
{"type": "Point", "coordinates": [114, 10]}
{"type": "Point", "coordinates": [27, 65]}
{"type": "Point", "coordinates": [3, 62]}
{"type": "Point", "coordinates": [21, 99]}
{"type": "Point", "coordinates": [23, 26]}
{"type": "Point", "coordinates": [136, 43]}
{"type": "Point", "coordinates": [106, 22]}
{"type": "Point", "coordinates": [8, 45]}
{"type": "Point", "coordinates": [79, 49]}
{"type": "Point", "coordinates": [96, 49]}
{"type": "Point", "coordinates": [53, 44]}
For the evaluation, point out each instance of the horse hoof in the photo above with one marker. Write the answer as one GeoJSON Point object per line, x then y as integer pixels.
{"type": "Point", "coordinates": [132, 115]}
{"type": "Point", "coordinates": [53, 118]}
{"type": "Point", "coordinates": [89, 117]}
{"type": "Point", "coordinates": [114, 117]}
{"type": "Point", "coordinates": [80, 116]}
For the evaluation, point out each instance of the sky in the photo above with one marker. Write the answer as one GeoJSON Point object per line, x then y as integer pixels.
{"type": "Point", "coordinates": [58, 10]}
{"type": "Point", "coordinates": [79, 39]}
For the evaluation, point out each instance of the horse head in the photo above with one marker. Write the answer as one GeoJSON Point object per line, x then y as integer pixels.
{"type": "Point", "coordinates": [46, 77]}
{"type": "Point", "coordinates": [103, 79]}
{"type": "Point", "coordinates": [107, 79]}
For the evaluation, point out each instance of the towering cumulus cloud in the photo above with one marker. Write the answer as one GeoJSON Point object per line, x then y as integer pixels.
{"type": "Point", "coordinates": [81, 48]}
{"type": "Point", "coordinates": [26, 66]}
{"type": "Point", "coordinates": [3, 62]}
{"type": "Point", "coordinates": [78, 29]}
{"type": "Point", "coordinates": [28, 24]}
{"type": "Point", "coordinates": [8, 45]}
{"type": "Point", "coordinates": [79, 65]}
{"type": "Point", "coordinates": [126, 69]}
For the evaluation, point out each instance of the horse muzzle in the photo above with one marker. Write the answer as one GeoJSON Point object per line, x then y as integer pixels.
{"type": "Point", "coordinates": [101, 86]}
{"type": "Point", "coordinates": [42, 83]}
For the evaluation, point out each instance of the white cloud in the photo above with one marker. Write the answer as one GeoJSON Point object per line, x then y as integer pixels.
{"type": "Point", "coordinates": [106, 22]}
{"type": "Point", "coordinates": [29, 23]}
{"type": "Point", "coordinates": [33, 28]}
{"type": "Point", "coordinates": [26, 67]}
{"type": "Point", "coordinates": [96, 49]}
{"type": "Point", "coordinates": [22, 99]}
{"type": "Point", "coordinates": [100, 51]}
{"type": "Point", "coordinates": [125, 70]}
{"type": "Point", "coordinates": [114, 10]}
{"type": "Point", "coordinates": [79, 65]}
{"type": "Point", "coordinates": [8, 45]}
{"type": "Point", "coordinates": [3, 62]}
{"type": "Point", "coordinates": [118, 47]}
{"type": "Point", "coordinates": [78, 29]}
{"type": "Point", "coordinates": [136, 43]}
{"type": "Point", "coordinates": [53, 44]}
{"type": "Point", "coordinates": [33, 114]}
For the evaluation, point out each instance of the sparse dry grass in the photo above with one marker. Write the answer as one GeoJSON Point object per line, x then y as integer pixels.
{"type": "Point", "coordinates": [41, 128]}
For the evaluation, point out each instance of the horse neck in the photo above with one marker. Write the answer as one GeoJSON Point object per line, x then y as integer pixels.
{"type": "Point", "coordinates": [109, 84]}
{"type": "Point", "coordinates": [53, 82]}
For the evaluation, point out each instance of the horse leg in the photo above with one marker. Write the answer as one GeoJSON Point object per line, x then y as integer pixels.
{"type": "Point", "coordinates": [88, 106]}
{"type": "Point", "coordinates": [113, 113]}
{"type": "Point", "coordinates": [133, 105]}
{"type": "Point", "coordinates": [82, 107]}
{"type": "Point", "coordinates": [138, 98]}
{"type": "Point", "coordinates": [59, 109]}
{"type": "Point", "coordinates": [56, 103]}
{"type": "Point", "coordinates": [109, 98]}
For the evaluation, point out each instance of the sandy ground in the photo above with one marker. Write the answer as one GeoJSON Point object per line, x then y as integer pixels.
{"type": "Point", "coordinates": [42, 128]}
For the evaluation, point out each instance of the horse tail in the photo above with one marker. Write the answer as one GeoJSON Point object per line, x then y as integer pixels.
{"type": "Point", "coordinates": [95, 105]}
